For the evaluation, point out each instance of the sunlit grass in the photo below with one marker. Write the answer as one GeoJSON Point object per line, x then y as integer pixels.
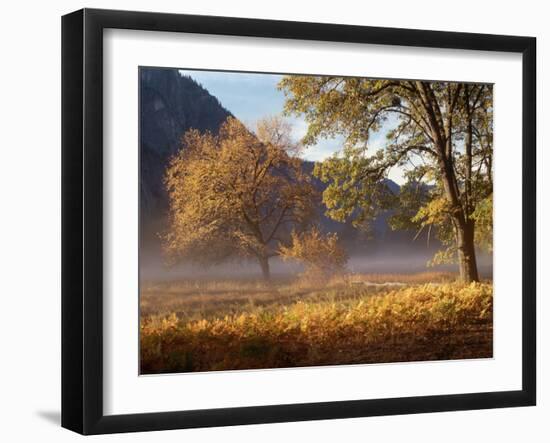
{"type": "Point", "coordinates": [201, 326]}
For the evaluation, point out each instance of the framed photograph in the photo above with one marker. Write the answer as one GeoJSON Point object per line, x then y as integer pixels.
{"type": "Point", "coordinates": [269, 221]}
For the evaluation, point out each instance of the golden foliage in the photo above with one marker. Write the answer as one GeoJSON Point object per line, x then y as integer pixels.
{"type": "Point", "coordinates": [420, 322]}
{"type": "Point", "coordinates": [235, 193]}
{"type": "Point", "coordinates": [321, 253]}
{"type": "Point", "coordinates": [441, 136]}
{"type": "Point", "coordinates": [483, 216]}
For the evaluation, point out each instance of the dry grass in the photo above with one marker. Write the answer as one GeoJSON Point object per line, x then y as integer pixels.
{"type": "Point", "coordinates": [203, 326]}
{"type": "Point", "coordinates": [198, 299]}
{"type": "Point", "coordinates": [195, 300]}
{"type": "Point", "coordinates": [409, 279]}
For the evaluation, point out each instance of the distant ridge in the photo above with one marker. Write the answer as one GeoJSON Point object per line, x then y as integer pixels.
{"type": "Point", "coordinates": [171, 104]}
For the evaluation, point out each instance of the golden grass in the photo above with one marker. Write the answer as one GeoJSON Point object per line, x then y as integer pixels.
{"type": "Point", "coordinates": [285, 325]}
{"type": "Point", "coordinates": [197, 299]}
{"type": "Point", "coordinates": [417, 278]}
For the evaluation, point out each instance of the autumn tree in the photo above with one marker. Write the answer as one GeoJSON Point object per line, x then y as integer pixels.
{"type": "Point", "coordinates": [441, 130]}
{"type": "Point", "coordinates": [321, 253]}
{"type": "Point", "coordinates": [237, 193]}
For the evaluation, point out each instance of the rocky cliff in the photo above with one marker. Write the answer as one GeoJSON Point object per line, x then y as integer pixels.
{"type": "Point", "coordinates": [170, 104]}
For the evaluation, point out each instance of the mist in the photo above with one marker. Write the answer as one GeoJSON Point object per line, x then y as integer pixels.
{"type": "Point", "coordinates": [395, 261]}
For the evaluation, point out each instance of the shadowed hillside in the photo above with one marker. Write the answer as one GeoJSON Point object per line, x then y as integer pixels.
{"type": "Point", "coordinates": [170, 104]}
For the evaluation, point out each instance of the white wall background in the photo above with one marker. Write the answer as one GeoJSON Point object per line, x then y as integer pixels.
{"type": "Point", "coordinates": [30, 219]}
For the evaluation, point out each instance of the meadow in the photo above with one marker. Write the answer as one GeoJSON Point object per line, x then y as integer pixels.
{"type": "Point", "coordinates": [209, 325]}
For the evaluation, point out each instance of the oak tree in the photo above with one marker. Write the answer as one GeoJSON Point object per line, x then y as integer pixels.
{"type": "Point", "coordinates": [237, 193]}
{"type": "Point", "coordinates": [441, 130]}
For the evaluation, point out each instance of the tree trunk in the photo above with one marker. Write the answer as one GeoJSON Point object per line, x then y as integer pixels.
{"type": "Point", "coordinates": [464, 226]}
{"type": "Point", "coordinates": [460, 210]}
{"type": "Point", "coordinates": [466, 252]}
{"type": "Point", "coordinates": [264, 264]}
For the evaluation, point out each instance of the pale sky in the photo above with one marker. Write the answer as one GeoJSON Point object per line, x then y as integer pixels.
{"type": "Point", "coordinates": [250, 96]}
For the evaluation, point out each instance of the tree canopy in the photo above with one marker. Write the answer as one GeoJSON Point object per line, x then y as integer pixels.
{"type": "Point", "coordinates": [235, 194]}
{"type": "Point", "coordinates": [440, 131]}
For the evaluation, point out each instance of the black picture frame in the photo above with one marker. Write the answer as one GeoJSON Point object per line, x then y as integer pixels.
{"type": "Point", "coordinates": [82, 219]}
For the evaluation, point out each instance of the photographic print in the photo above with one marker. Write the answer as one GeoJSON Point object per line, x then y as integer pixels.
{"type": "Point", "coordinates": [307, 220]}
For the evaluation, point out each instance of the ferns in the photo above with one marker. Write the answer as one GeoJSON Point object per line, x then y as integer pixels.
{"type": "Point", "coordinates": [420, 322]}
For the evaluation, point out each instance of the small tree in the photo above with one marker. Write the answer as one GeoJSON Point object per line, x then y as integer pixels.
{"type": "Point", "coordinates": [321, 253]}
{"type": "Point", "coordinates": [236, 194]}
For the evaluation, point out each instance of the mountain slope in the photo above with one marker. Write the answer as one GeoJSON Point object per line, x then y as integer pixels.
{"type": "Point", "coordinates": [170, 104]}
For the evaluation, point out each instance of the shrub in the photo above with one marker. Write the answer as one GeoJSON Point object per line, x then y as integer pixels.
{"type": "Point", "coordinates": [320, 253]}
